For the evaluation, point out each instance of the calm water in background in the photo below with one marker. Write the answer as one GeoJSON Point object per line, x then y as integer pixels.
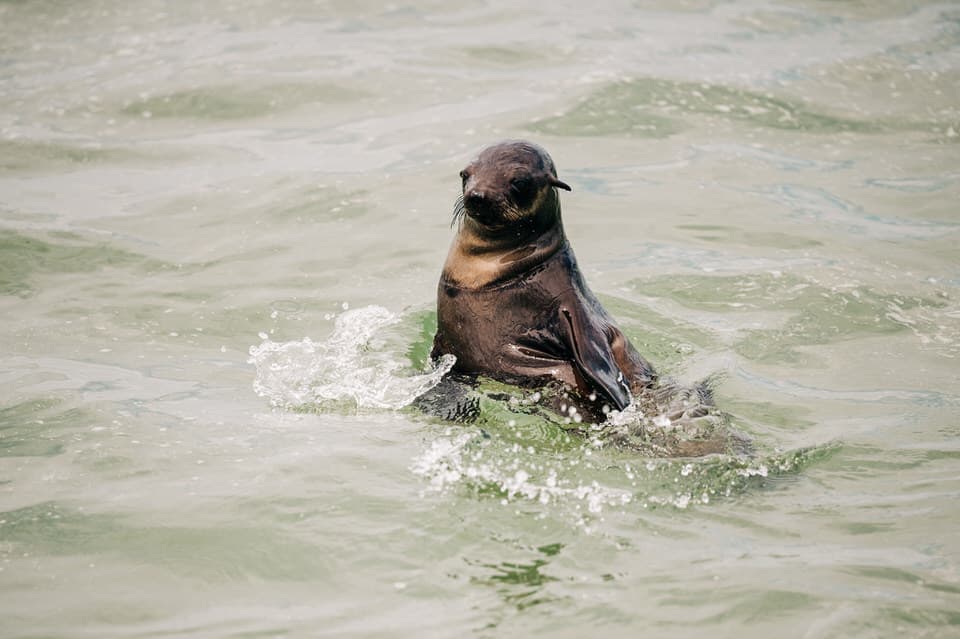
{"type": "Point", "coordinates": [768, 189]}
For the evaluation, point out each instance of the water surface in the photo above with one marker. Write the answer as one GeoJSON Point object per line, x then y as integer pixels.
{"type": "Point", "coordinates": [766, 189]}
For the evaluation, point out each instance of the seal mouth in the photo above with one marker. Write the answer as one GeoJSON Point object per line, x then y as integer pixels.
{"type": "Point", "coordinates": [482, 208]}
{"type": "Point", "coordinates": [485, 211]}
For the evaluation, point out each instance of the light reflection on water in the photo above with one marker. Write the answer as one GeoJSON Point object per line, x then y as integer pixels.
{"type": "Point", "coordinates": [762, 188]}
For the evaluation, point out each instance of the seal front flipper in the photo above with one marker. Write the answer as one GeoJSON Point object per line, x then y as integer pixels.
{"type": "Point", "coordinates": [592, 354]}
{"type": "Point", "coordinates": [638, 371]}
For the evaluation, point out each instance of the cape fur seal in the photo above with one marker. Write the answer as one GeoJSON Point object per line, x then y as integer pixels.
{"type": "Point", "coordinates": [511, 303]}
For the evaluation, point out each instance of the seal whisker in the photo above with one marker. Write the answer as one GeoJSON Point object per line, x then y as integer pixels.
{"type": "Point", "coordinates": [513, 214]}
{"type": "Point", "coordinates": [458, 211]}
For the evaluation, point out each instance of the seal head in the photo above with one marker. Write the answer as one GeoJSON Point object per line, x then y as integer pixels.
{"type": "Point", "coordinates": [504, 189]}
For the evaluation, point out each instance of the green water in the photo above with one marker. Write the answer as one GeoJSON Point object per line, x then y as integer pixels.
{"type": "Point", "coordinates": [767, 190]}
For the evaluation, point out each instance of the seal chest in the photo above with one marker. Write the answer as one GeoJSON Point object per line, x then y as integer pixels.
{"type": "Point", "coordinates": [511, 303]}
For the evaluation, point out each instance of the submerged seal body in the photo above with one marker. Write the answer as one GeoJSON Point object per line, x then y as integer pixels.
{"type": "Point", "coordinates": [511, 302]}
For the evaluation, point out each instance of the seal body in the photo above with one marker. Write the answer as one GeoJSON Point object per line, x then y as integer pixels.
{"type": "Point", "coordinates": [511, 302]}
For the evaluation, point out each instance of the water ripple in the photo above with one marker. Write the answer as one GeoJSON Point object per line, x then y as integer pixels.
{"type": "Point", "coordinates": [931, 399]}
{"type": "Point", "coordinates": [820, 205]}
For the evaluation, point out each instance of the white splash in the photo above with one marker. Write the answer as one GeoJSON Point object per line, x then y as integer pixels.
{"type": "Point", "coordinates": [343, 368]}
{"type": "Point", "coordinates": [631, 414]}
{"type": "Point", "coordinates": [453, 460]}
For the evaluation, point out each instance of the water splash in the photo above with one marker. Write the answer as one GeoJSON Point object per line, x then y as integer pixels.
{"type": "Point", "coordinates": [511, 472]}
{"type": "Point", "coordinates": [592, 480]}
{"type": "Point", "coordinates": [345, 369]}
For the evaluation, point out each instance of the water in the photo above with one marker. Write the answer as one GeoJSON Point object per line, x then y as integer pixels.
{"type": "Point", "coordinates": [764, 189]}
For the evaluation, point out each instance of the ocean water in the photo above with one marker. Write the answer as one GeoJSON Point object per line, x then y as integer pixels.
{"type": "Point", "coordinates": [221, 227]}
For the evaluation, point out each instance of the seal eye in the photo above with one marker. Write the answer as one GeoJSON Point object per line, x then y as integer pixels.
{"type": "Point", "coordinates": [524, 191]}
{"type": "Point", "coordinates": [463, 176]}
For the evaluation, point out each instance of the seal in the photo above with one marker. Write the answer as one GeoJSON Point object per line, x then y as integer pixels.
{"type": "Point", "coordinates": [512, 303]}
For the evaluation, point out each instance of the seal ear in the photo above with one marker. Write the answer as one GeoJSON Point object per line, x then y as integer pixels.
{"type": "Point", "coordinates": [592, 353]}
{"type": "Point", "coordinates": [560, 185]}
